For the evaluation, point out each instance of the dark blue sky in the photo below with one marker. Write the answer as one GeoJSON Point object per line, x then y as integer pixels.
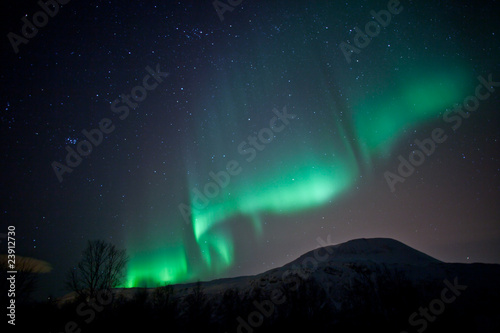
{"type": "Point", "coordinates": [321, 176]}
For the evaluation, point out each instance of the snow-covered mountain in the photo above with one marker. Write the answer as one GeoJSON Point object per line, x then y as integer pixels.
{"type": "Point", "coordinates": [367, 283]}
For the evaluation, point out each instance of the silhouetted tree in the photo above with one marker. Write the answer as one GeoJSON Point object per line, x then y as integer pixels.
{"type": "Point", "coordinates": [230, 306]}
{"type": "Point", "coordinates": [197, 308]}
{"type": "Point", "coordinates": [163, 297]}
{"type": "Point", "coordinates": [101, 268]}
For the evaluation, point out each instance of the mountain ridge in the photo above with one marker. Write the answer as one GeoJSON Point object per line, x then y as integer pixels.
{"type": "Point", "coordinates": [384, 250]}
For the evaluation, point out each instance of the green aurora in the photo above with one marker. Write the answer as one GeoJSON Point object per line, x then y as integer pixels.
{"type": "Point", "coordinates": [306, 181]}
{"type": "Point", "coordinates": [300, 169]}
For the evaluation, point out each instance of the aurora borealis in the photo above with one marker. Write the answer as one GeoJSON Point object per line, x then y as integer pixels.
{"type": "Point", "coordinates": [305, 182]}
{"type": "Point", "coordinates": [261, 138]}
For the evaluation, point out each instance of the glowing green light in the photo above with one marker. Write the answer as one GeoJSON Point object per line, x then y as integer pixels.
{"type": "Point", "coordinates": [304, 188]}
{"type": "Point", "coordinates": [155, 267]}
{"type": "Point", "coordinates": [426, 95]}
{"type": "Point", "coordinates": [297, 175]}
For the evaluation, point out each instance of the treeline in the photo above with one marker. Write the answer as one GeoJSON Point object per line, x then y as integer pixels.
{"type": "Point", "coordinates": [303, 305]}
{"type": "Point", "coordinates": [346, 297]}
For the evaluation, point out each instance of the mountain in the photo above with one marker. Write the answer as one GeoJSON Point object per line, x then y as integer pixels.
{"type": "Point", "coordinates": [364, 284]}
{"type": "Point", "coordinates": [381, 250]}
{"type": "Point", "coordinates": [382, 279]}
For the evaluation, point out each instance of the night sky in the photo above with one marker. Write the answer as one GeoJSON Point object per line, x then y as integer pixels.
{"type": "Point", "coordinates": [229, 146]}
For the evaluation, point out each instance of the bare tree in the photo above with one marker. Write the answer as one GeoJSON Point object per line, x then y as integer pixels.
{"type": "Point", "coordinates": [197, 308]}
{"type": "Point", "coordinates": [101, 268]}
